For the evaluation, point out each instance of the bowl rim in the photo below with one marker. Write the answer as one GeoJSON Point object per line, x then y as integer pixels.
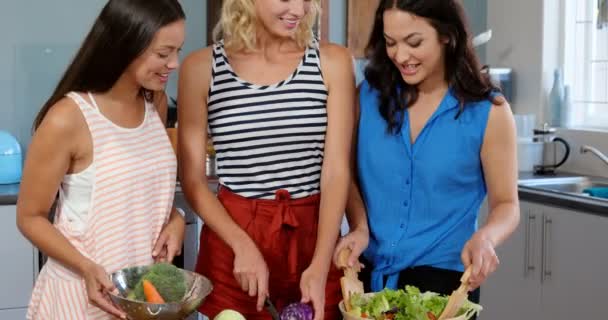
{"type": "Point", "coordinates": [371, 294]}
{"type": "Point", "coordinates": [177, 304]}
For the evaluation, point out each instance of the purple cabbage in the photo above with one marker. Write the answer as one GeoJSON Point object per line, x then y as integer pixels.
{"type": "Point", "coordinates": [297, 311]}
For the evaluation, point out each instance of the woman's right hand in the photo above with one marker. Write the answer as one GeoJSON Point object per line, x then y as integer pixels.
{"type": "Point", "coordinates": [98, 287]}
{"type": "Point", "coordinates": [251, 271]}
{"type": "Point", "coordinates": [356, 240]}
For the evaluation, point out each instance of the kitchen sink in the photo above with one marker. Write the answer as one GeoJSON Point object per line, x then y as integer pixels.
{"type": "Point", "coordinates": [570, 185]}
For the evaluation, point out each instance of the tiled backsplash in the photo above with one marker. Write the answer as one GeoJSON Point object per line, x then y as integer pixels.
{"type": "Point", "coordinates": [38, 68]}
{"type": "Point", "coordinates": [39, 39]}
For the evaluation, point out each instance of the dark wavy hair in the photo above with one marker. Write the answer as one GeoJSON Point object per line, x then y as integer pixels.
{"type": "Point", "coordinates": [121, 32]}
{"type": "Point", "coordinates": [463, 70]}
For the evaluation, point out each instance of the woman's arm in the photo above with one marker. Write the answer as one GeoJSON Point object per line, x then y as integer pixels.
{"type": "Point", "coordinates": [50, 156]}
{"type": "Point", "coordinates": [170, 240]}
{"type": "Point", "coordinates": [249, 266]}
{"type": "Point", "coordinates": [335, 172]}
{"type": "Point", "coordinates": [499, 160]}
{"type": "Point", "coordinates": [48, 159]}
{"type": "Point", "coordinates": [337, 69]}
{"type": "Point", "coordinates": [357, 238]}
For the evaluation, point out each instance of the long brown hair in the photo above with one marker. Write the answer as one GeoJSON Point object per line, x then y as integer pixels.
{"type": "Point", "coordinates": [121, 32]}
{"type": "Point", "coordinates": [463, 70]}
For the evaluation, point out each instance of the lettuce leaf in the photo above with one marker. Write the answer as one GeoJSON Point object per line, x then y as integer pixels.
{"type": "Point", "coordinates": [407, 304]}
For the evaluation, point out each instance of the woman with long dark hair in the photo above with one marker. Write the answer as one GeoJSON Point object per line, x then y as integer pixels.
{"type": "Point", "coordinates": [435, 136]}
{"type": "Point", "coordinates": [278, 106]}
{"type": "Point", "coordinates": [100, 141]}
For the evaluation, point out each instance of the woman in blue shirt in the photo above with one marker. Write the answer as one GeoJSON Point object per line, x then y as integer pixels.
{"type": "Point", "coordinates": [435, 136]}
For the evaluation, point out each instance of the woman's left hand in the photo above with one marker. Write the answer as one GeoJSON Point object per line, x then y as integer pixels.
{"type": "Point", "coordinates": [357, 241]}
{"type": "Point", "coordinates": [170, 240]}
{"type": "Point", "coordinates": [312, 286]}
{"type": "Point", "coordinates": [479, 253]}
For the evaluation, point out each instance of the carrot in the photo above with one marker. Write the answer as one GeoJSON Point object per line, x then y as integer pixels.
{"type": "Point", "coordinates": [151, 293]}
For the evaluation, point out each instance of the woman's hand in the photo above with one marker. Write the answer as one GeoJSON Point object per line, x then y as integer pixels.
{"type": "Point", "coordinates": [169, 242]}
{"type": "Point", "coordinates": [251, 271]}
{"type": "Point", "coordinates": [98, 286]}
{"type": "Point", "coordinates": [312, 286]}
{"type": "Point", "coordinates": [356, 240]}
{"type": "Point", "coordinates": [479, 253]}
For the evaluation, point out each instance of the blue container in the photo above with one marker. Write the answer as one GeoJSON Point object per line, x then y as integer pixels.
{"type": "Point", "coordinates": [11, 159]}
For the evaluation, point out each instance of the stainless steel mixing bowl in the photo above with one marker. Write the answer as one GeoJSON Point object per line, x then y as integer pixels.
{"type": "Point", "coordinates": [197, 289]}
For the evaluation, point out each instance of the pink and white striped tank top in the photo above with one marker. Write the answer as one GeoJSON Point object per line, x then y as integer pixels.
{"type": "Point", "coordinates": [132, 196]}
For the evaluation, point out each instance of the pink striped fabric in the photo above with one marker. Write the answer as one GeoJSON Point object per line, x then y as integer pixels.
{"type": "Point", "coordinates": [133, 188]}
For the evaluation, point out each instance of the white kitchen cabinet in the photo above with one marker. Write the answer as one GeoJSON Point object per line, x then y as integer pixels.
{"type": "Point", "coordinates": [551, 268]}
{"type": "Point", "coordinates": [17, 268]}
{"type": "Point", "coordinates": [513, 291]}
{"type": "Point", "coordinates": [13, 314]}
{"type": "Point", "coordinates": [574, 281]}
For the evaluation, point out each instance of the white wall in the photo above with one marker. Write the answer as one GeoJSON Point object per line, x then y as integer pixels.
{"type": "Point", "coordinates": [517, 43]}
{"type": "Point", "coordinates": [587, 163]}
{"type": "Point", "coordinates": [527, 38]}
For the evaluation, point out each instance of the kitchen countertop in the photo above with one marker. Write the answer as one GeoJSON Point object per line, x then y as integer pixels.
{"type": "Point", "coordinates": [557, 199]}
{"type": "Point", "coordinates": [9, 193]}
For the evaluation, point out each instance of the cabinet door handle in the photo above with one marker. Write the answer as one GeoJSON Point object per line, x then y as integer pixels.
{"type": "Point", "coordinates": [529, 244]}
{"type": "Point", "coordinates": [546, 263]}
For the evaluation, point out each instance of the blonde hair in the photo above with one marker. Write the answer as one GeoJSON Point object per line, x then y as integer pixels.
{"type": "Point", "coordinates": [238, 23]}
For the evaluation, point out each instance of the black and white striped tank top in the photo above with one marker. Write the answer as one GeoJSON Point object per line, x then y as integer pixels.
{"type": "Point", "coordinates": [268, 137]}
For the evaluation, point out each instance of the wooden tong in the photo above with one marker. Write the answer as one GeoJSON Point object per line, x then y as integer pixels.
{"type": "Point", "coordinates": [458, 297]}
{"type": "Point", "coordinates": [350, 282]}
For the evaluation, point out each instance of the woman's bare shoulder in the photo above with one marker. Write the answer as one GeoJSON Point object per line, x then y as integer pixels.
{"type": "Point", "coordinates": [63, 126]}
{"type": "Point", "coordinates": [64, 116]}
{"type": "Point", "coordinates": [200, 58]}
{"type": "Point", "coordinates": [334, 52]}
{"type": "Point", "coordinates": [337, 63]}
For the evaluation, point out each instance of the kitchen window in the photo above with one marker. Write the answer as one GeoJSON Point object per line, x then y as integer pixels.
{"type": "Point", "coordinates": [586, 61]}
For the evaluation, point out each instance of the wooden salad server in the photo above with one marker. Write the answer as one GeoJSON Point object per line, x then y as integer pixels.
{"type": "Point", "coordinates": [350, 282]}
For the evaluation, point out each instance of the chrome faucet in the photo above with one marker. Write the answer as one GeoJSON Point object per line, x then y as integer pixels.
{"type": "Point", "coordinates": [598, 153]}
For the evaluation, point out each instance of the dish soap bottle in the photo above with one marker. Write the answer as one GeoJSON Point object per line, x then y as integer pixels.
{"type": "Point", "coordinates": [556, 97]}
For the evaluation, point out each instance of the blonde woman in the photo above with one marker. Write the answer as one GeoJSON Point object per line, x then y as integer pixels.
{"type": "Point", "coordinates": [279, 107]}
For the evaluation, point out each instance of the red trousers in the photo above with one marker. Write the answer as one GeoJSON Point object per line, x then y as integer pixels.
{"type": "Point", "coordinates": [285, 232]}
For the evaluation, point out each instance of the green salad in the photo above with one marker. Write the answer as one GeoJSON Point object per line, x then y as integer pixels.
{"type": "Point", "coordinates": [408, 304]}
